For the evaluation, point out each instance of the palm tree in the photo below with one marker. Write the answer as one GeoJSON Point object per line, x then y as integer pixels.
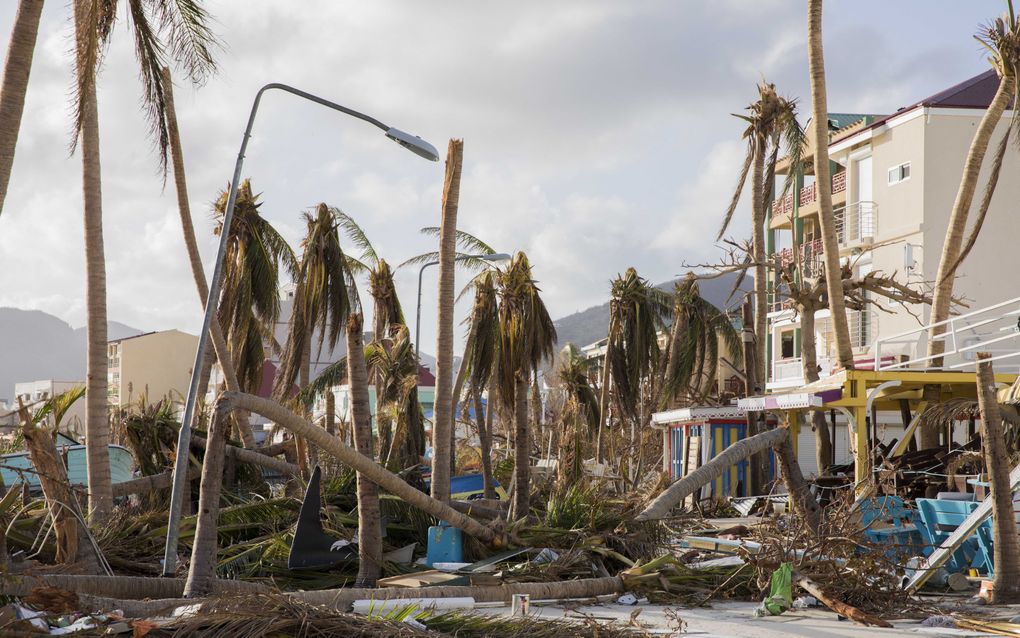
{"type": "Point", "coordinates": [250, 303]}
{"type": "Point", "coordinates": [442, 428]}
{"type": "Point", "coordinates": [395, 368]}
{"type": "Point", "coordinates": [321, 300]}
{"type": "Point", "coordinates": [1002, 39]}
{"type": "Point", "coordinates": [188, 39]}
{"type": "Point", "coordinates": [823, 186]}
{"type": "Point", "coordinates": [478, 364]}
{"type": "Point", "coordinates": [772, 121]}
{"type": "Point", "coordinates": [17, 68]}
{"type": "Point", "coordinates": [636, 309]}
{"type": "Point", "coordinates": [527, 337]}
{"type": "Point", "coordinates": [387, 314]}
{"type": "Point", "coordinates": [220, 350]}
{"type": "Point", "coordinates": [692, 352]}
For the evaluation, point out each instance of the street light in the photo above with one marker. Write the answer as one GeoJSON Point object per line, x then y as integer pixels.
{"type": "Point", "coordinates": [491, 258]}
{"type": "Point", "coordinates": [412, 143]}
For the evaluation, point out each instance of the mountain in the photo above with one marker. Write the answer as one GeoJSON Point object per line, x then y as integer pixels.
{"type": "Point", "coordinates": [36, 345]}
{"type": "Point", "coordinates": [588, 326]}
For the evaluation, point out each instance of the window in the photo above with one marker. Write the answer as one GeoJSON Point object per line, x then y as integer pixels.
{"type": "Point", "coordinates": [786, 341]}
{"type": "Point", "coordinates": [899, 173]}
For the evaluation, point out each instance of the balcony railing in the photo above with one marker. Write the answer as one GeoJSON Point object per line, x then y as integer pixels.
{"type": "Point", "coordinates": [810, 258]}
{"type": "Point", "coordinates": [807, 195]}
{"type": "Point", "coordinates": [856, 223]}
{"type": "Point", "coordinates": [791, 371]}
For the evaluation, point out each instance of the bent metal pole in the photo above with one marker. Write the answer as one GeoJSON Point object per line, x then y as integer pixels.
{"type": "Point", "coordinates": [414, 144]}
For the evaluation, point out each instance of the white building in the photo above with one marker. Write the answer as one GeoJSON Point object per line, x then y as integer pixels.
{"type": "Point", "coordinates": [34, 391]}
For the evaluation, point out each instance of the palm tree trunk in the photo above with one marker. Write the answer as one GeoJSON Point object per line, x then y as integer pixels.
{"type": "Point", "coordinates": [485, 443]}
{"type": "Point", "coordinates": [385, 426]}
{"type": "Point", "coordinates": [660, 507]}
{"type": "Point", "coordinates": [801, 498]}
{"type": "Point", "coordinates": [202, 571]}
{"type": "Point", "coordinates": [195, 259]}
{"type": "Point", "coordinates": [17, 68]}
{"type": "Point", "coordinates": [330, 412]}
{"type": "Point", "coordinates": [600, 445]}
{"type": "Point", "coordinates": [758, 248]}
{"type": "Point", "coordinates": [369, 524]}
{"type": "Point", "coordinates": [993, 442]}
{"type": "Point", "coordinates": [443, 411]}
{"type": "Point", "coordinates": [809, 361]}
{"type": "Point", "coordinates": [374, 472]}
{"type": "Point", "coordinates": [311, 458]}
{"type": "Point", "coordinates": [823, 186]}
{"type": "Point", "coordinates": [97, 425]}
{"type": "Point", "coordinates": [521, 505]}
{"type": "Point", "coordinates": [943, 295]}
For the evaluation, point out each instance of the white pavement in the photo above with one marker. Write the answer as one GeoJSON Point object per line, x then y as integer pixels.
{"type": "Point", "coordinates": [733, 619]}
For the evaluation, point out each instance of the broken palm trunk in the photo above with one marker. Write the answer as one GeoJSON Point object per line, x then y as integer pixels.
{"type": "Point", "coordinates": [681, 489]}
{"type": "Point", "coordinates": [73, 542]}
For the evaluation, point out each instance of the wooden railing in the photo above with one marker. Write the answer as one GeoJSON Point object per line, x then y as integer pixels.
{"type": "Point", "coordinates": [807, 195]}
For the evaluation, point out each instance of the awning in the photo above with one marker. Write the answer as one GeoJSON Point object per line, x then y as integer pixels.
{"type": "Point", "coordinates": [812, 395]}
{"type": "Point", "coordinates": [698, 413]}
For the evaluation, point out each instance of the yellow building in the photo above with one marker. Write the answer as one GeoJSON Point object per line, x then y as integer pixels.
{"type": "Point", "coordinates": [156, 364]}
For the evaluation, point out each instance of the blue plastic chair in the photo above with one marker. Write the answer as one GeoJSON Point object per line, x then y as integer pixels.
{"type": "Point", "coordinates": [939, 519]}
{"type": "Point", "coordinates": [900, 530]}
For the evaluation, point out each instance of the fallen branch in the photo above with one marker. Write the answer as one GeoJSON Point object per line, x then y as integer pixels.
{"type": "Point", "coordinates": [837, 605]}
{"type": "Point", "coordinates": [385, 479]}
{"type": "Point", "coordinates": [145, 484]}
{"type": "Point", "coordinates": [252, 457]}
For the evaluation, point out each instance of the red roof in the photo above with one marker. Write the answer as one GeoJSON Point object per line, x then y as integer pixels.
{"type": "Point", "coordinates": [974, 93]}
{"type": "Point", "coordinates": [268, 377]}
{"type": "Point", "coordinates": [425, 378]}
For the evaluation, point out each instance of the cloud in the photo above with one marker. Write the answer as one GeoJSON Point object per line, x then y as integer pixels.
{"type": "Point", "coordinates": [598, 134]}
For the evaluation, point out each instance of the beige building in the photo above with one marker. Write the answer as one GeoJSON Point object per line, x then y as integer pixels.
{"type": "Point", "coordinates": [894, 181]}
{"type": "Point", "coordinates": [155, 364]}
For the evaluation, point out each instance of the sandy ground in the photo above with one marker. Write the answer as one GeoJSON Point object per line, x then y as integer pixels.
{"type": "Point", "coordinates": [734, 619]}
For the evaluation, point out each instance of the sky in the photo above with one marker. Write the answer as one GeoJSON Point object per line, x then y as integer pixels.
{"type": "Point", "coordinates": [598, 134]}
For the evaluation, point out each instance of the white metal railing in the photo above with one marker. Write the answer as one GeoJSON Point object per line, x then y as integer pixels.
{"type": "Point", "coordinates": [786, 369]}
{"type": "Point", "coordinates": [964, 336]}
{"type": "Point", "coordinates": [856, 223]}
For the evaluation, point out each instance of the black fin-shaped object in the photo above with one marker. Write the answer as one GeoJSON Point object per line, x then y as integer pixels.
{"type": "Point", "coordinates": [313, 548]}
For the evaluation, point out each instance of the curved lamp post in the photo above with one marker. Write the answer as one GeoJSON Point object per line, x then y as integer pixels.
{"type": "Point", "coordinates": [412, 143]}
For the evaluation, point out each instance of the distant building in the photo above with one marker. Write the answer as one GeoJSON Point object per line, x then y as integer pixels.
{"type": "Point", "coordinates": [35, 391]}
{"type": "Point", "coordinates": [154, 364]}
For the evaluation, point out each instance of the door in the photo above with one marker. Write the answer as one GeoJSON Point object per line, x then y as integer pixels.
{"type": "Point", "coordinates": [861, 217]}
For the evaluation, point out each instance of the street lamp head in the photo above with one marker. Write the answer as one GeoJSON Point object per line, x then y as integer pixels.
{"type": "Point", "coordinates": [414, 144]}
{"type": "Point", "coordinates": [495, 257]}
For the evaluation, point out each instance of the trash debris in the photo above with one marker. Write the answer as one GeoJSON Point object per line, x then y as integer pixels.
{"type": "Point", "coordinates": [780, 595]}
{"type": "Point", "coordinates": [947, 622]}
{"type": "Point", "coordinates": [803, 602]}
{"type": "Point", "coordinates": [627, 599]}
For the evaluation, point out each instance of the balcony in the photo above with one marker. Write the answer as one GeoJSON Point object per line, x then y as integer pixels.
{"type": "Point", "coordinates": [856, 224]}
{"type": "Point", "coordinates": [789, 373]}
{"type": "Point", "coordinates": [810, 255]}
{"type": "Point", "coordinates": [807, 198]}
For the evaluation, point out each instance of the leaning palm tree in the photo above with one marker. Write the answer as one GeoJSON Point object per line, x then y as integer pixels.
{"type": "Point", "coordinates": [771, 125]}
{"type": "Point", "coordinates": [574, 372]}
{"type": "Point", "coordinates": [823, 187]}
{"type": "Point", "coordinates": [636, 309]}
{"type": "Point", "coordinates": [17, 68]}
{"type": "Point", "coordinates": [1002, 40]}
{"type": "Point", "coordinates": [161, 27]}
{"type": "Point", "coordinates": [527, 337]}
{"type": "Point", "coordinates": [219, 350]}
